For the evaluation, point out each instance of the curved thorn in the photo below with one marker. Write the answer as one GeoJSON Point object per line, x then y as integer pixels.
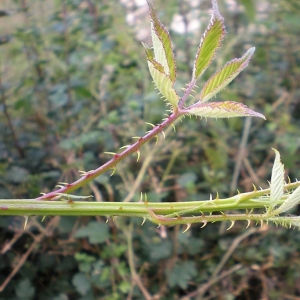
{"type": "Point", "coordinates": [232, 223]}
{"type": "Point", "coordinates": [136, 137]}
{"type": "Point", "coordinates": [64, 183]}
{"type": "Point", "coordinates": [188, 226]}
{"type": "Point", "coordinates": [173, 127]}
{"type": "Point", "coordinates": [126, 146]}
{"type": "Point", "coordinates": [217, 197]}
{"type": "Point", "coordinates": [164, 135]}
{"type": "Point", "coordinates": [43, 194]}
{"type": "Point", "coordinates": [146, 198]}
{"type": "Point", "coordinates": [150, 124]}
{"type": "Point", "coordinates": [251, 211]}
{"type": "Point", "coordinates": [144, 220]}
{"type": "Point", "coordinates": [106, 220]}
{"type": "Point", "coordinates": [141, 197]}
{"type": "Point", "coordinates": [113, 172]}
{"type": "Point", "coordinates": [59, 186]}
{"type": "Point", "coordinates": [248, 223]}
{"type": "Point", "coordinates": [25, 222]}
{"type": "Point", "coordinates": [156, 139]}
{"type": "Point", "coordinates": [43, 219]}
{"type": "Point", "coordinates": [111, 153]}
{"type": "Point", "coordinates": [289, 179]}
{"type": "Point", "coordinates": [210, 197]}
{"type": "Point", "coordinates": [238, 192]}
{"type": "Point", "coordinates": [204, 224]}
{"type": "Point", "coordinates": [138, 155]}
{"type": "Point", "coordinates": [261, 223]}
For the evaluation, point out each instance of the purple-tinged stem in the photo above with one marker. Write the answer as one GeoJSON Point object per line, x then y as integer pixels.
{"type": "Point", "coordinates": [90, 175]}
{"type": "Point", "coordinates": [188, 91]}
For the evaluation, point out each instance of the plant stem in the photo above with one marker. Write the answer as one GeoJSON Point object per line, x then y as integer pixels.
{"type": "Point", "coordinates": [111, 164]}
{"type": "Point", "coordinates": [157, 212]}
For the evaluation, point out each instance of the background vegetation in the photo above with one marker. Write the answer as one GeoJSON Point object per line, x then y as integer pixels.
{"type": "Point", "coordinates": [74, 83]}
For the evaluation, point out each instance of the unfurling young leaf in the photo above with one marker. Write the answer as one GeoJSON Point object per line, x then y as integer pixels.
{"type": "Point", "coordinates": [227, 109]}
{"type": "Point", "coordinates": [211, 40]}
{"type": "Point", "coordinates": [162, 45]}
{"type": "Point", "coordinates": [225, 75]}
{"type": "Point", "coordinates": [277, 180]}
{"type": "Point", "coordinates": [292, 200]}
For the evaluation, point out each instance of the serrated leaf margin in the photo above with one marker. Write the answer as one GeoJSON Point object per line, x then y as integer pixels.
{"type": "Point", "coordinates": [210, 42]}
{"type": "Point", "coordinates": [164, 85]}
{"type": "Point", "coordinates": [219, 81]}
{"type": "Point", "coordinates": [162, 45]}
{"type": "Point", "coordinates": [226, 109]}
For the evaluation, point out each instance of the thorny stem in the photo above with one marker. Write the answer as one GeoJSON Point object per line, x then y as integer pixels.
{"type": "Point", "coordinates": [111, 164]}
{"type": "Point", "coordinates": [167, 213]}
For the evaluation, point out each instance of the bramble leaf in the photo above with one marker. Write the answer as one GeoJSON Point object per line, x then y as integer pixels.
{"type": "Point", "coordinates": [225, 75]}
{"type": "Point", "coordinates": [227, 109]}
{"type": "Point", "coordinates": [277, 180]}
{"type": "Point", "coordinates": [162, 45]}
{"type": "Point", "coordinates": [210, 41]}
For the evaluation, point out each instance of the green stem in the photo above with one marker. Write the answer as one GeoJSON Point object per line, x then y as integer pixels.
{"type": "Point", "coordinates": [152, 211]}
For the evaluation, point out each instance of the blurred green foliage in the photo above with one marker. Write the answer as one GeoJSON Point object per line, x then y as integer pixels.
{"type": "Point", "coordinates": [74, 83]}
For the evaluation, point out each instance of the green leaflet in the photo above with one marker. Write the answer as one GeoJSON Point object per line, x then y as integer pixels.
{"type": "Point", "coordinates": [211, 40]}
{"type": "Point", "coordinates": [227, 109]}
{"type": "Point", "coordinates": [162, 45]}
{"type": "Point", "coordinates": [277, 180]}
{"type": "Point", "coordinates": [164, 84]}
{"type": "Point", "coordinates": [225, 75]}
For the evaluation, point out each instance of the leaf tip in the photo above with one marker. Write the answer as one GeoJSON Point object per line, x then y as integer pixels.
{"type": "Point", "coordinates": [215, 10]}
